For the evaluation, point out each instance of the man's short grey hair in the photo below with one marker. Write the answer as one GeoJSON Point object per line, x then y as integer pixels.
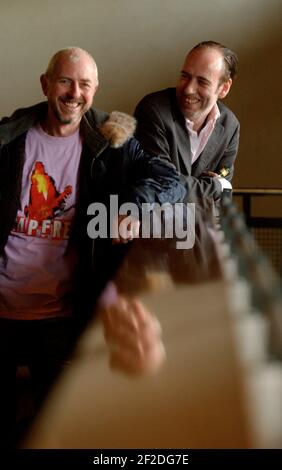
{"type": "Point", "coordinates": [74, 53]}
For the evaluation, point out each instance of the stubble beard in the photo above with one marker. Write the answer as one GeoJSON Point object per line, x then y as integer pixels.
{"type": "Point", "coordinates": [62, 119]}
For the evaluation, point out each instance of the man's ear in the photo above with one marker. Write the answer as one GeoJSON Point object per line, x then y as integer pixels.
{"type": "Point", "coordinates": [44, 83]}
{"type": "Point", "coordinates": [224, 88]}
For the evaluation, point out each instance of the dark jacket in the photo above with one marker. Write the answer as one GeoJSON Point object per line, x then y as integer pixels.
{"type": "Point", "coordinates": [161, 130]}
{"type": "Point", "coordinates": [112, 162]}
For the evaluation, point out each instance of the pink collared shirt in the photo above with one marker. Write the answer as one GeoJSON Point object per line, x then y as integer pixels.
{"type": "Point", "coordinates": [198, 142]}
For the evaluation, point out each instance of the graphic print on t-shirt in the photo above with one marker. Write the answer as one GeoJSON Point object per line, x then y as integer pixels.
{"type": "Point", "coordinates": [45, 202]}
{"type": "Point", "coordinates": [45, 205]}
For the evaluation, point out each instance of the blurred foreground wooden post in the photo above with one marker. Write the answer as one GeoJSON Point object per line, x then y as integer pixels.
{"type": "Point", "coordinates": [196, 399]}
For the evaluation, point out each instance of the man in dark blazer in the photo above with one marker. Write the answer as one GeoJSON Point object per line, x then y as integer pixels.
{"type": "Point", "coordinates": [190, 127]}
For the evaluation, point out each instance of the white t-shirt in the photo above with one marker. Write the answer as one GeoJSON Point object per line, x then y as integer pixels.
{"type": "Point", "coordinates": [36, 278]}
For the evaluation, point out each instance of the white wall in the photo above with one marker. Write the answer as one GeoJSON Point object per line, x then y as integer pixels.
{"type": "Point", "coordinates": [139, 46]}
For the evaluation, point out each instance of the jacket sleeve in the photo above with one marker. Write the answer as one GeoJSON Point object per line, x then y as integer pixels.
{"type": "Point", "coordinates": [150, 178]}
{"type": "Point", "coordinates": [153, 134]}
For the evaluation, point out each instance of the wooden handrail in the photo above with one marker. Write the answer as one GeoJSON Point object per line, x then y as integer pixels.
{"type": "Point", "coordinates": [257, 191]}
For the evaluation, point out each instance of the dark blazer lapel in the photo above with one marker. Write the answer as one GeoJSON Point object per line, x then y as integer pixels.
{"type": "Point", "coordinates": [182, 136]}
{"type": "Point", "coordinates": [183, 144]}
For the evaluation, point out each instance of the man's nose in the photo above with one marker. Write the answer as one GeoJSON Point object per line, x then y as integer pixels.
{"type": "Point", "coordinates": [75, 90]}
{"type": "Point", "coordinates": [190, 87]}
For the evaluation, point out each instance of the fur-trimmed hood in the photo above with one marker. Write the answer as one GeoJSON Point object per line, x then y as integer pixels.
{"type": "Point", "coordinates": [118, 128]}
{"type": "Point", "coordinates": [114, 128]}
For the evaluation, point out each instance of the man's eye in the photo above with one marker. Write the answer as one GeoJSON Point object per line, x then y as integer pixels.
{"type": "Point", "coordinates": [185, 77]}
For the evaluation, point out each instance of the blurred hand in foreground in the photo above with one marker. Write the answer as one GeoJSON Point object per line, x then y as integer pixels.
{"type": "Point", "coordinates": [126, 228]}
{"type": "Point", "coordinates": [133, 335]}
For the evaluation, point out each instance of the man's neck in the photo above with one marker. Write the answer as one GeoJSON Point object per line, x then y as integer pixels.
{"type": "Point", "coordinates": [58, 129]}
{"type": "Point", "coordinates": [200, 124]}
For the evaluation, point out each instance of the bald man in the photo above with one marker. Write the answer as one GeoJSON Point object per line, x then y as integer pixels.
{"type": "Point", "coordinates": [57, 158]}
